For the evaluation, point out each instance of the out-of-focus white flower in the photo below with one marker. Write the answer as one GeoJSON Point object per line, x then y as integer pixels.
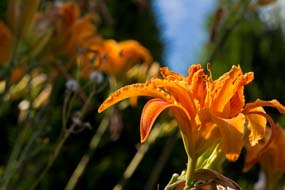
{"type": "Point", "coordinates": [96, 76]}
{"type": "Point", "coordinates": [72, 85]}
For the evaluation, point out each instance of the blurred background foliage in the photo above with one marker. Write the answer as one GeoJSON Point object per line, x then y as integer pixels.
{"type": "Point", "coordinates": [49, 119]}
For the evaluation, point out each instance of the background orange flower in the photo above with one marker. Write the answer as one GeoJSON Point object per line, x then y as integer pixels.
{"type": "Point", "coordinates": [6, 40]}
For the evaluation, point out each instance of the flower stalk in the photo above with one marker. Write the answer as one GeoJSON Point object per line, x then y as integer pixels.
{"type": "Point", "coordinates": [191, 165]}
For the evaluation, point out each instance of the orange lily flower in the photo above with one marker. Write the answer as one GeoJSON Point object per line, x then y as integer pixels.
{"type": "Point", "coordinates": [6, 43]}
{"type": "Point", "coordinates": [272, 159]}
{"type": "Point", "coordinates": [65, 17]}
{"type": "Point", "coordinates": [207, 111]}
{"type": "Point", "coordinates": [113, 58]}
{"type": "Point", "coordinates": [71, 30]}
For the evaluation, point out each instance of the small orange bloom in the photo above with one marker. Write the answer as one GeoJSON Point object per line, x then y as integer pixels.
{"type": "Point", "coordinates": [207, 111]}
{"type": "Point", "coordinates": [114, 58]}
{"type": "Point", "coordinates": [71, 30]}
{"type": "Point", "coordinates": [70, 12]}
{"type": "Point", "coordinates": [5, 43]}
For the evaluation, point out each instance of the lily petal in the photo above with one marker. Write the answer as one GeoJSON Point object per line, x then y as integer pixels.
{"type": "Point", "coordinates": [237, 102]}
{"type": "Point", "coordinates": [227, 85]}
{"type": "Point", "coordinates": [192, 70]}
{"type": "Point", "coordinates": [261, 103]}
{"type": "Point", "coordinates": [272, 160]}
{"type": "Point", "coordinates": [198, 85]}
{"type": "Point", "coordinates": [139, 89]}
{"type": "Point", "coordinates": [256, 125]}
{"type": "Point", "coordinates": [170, 75]}
{"type": "Point", "coordinates": [231, 131]}
{"type": "Point", "coordinates": [223, 89]}
{"type": "Point", "coordinates": [153, 109]}
{"type": "Point", "coordinates": [179, 90]}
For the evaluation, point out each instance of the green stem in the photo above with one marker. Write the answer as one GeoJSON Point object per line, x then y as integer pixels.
{"type": "Point", "coordinates": [54, 155]}
{"type": "Point", "coordinates": [191, 165]}
{"type": "Point", "coordinates": [138, 158]}
{"type": "Point", "coordinates": [86, 157]}
{"type": "Point", "coordinates": [65, 133]}
{"type": "Point", "coordinates": [164, 156]}
{"type": "Point", "coordinates": [12, 162]}
{"type": "Point", "coordinates": [272, 181]}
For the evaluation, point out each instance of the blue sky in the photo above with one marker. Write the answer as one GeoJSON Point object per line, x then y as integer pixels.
{"type": "Point", "coordinates": [183, 30]}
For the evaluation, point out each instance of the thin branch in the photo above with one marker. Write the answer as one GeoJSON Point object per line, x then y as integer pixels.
{"type": "Point", "coordinates": [138, 158]}
{"type": "Point", "coordinates": [164, 156]}
{"type": "Point", "coordinates": [86, 157]}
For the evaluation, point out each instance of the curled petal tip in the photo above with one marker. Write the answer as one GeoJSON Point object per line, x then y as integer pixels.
{"type": "Point", "coordinates": [143, 138]}
{"type": "Point", "coordinates": [101, 109]}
